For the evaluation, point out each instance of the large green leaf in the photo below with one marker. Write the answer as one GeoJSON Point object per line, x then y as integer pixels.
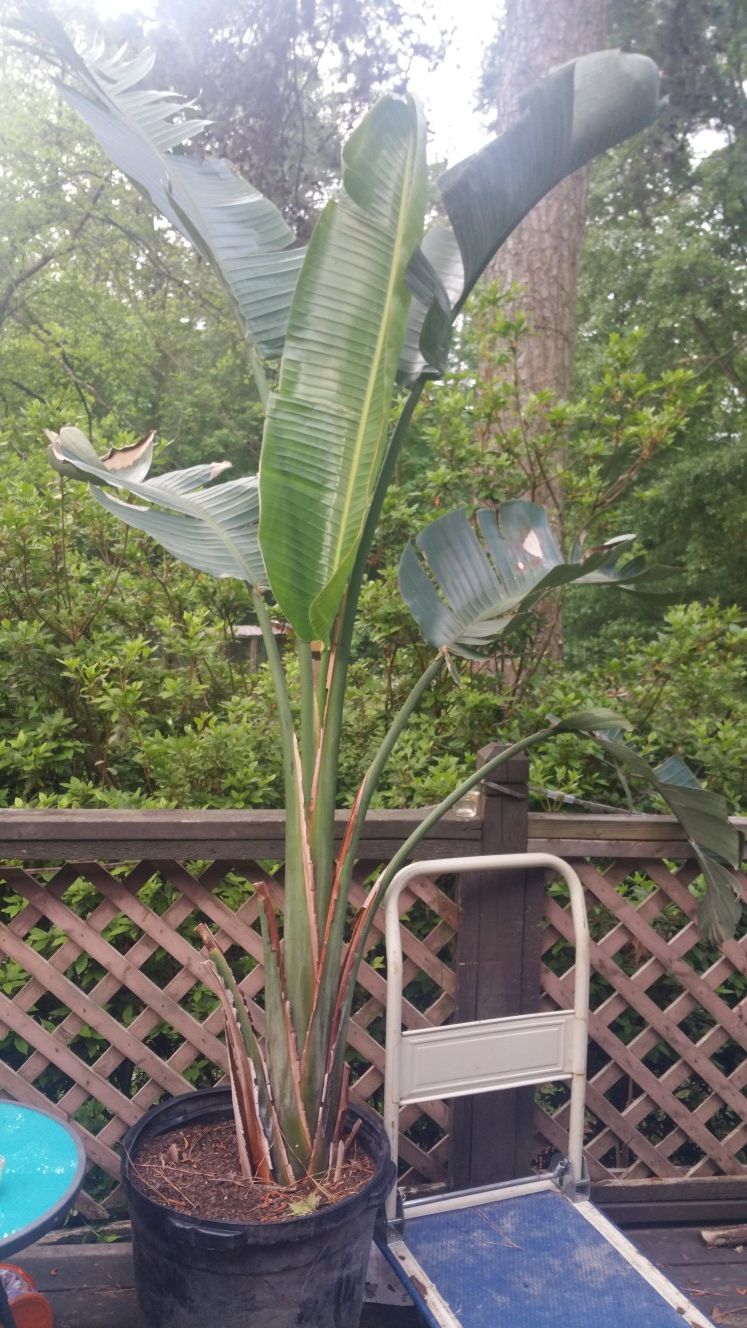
{"type": "Point", "coordinates": [590, 721]}
{"type": "Point", "coordinates": [578, 111]}
{"type": "Point", "coordinates": [704, 816]}
{"type": "Point", "coordinates": [326, 429]}
{"type": "Point", "coordinates": [239, 231]}
{"type": "Point", "coordinates": [212, 529]}
{"type": "Point", "coordinates": [702, 811]}
{"type": "Point", "coordinates": [568, 118]}
{"type": "Point", "coordinates": [720, 909]}
{"type": "Point", "coordinates": [464, 590]}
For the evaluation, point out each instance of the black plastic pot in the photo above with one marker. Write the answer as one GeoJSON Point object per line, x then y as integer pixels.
{"type": "Point", "coordinates": [306, 1273]}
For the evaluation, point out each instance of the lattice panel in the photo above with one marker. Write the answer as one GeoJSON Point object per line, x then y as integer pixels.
{"type": "Point", "coordinates": [666, 1090]}
{"type": "Point", "coordinates": [104, 1007]}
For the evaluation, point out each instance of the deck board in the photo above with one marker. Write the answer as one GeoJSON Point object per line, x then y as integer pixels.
{"type": "Point", "coordinates": [90, 1286]}
{"type": "Point", "coordinates": [713, 1278]}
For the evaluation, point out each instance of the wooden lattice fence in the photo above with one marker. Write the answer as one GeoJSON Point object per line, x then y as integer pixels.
{"type": "Point", "coordinates": [104, 1006]}
{"type": "Point", "coordinates": [668, 1054]}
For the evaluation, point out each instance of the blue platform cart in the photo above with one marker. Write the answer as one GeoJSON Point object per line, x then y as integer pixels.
{"type": "Point", "coordinates": [529, 1253]}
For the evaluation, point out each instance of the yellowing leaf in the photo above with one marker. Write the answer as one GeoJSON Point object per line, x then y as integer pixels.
{"type": "Point", "coordinates": [302, 1207]}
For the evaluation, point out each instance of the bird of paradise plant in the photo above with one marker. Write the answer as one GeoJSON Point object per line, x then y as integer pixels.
{"type": "Point", "coordinates": [359, 318]}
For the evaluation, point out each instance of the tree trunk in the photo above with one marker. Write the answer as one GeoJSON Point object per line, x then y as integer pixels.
{"type": "Point", "coordinates": [542, 256]}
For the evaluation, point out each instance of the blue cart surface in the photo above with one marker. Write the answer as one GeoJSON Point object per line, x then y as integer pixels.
{"type": "Point", "coordinates": [537, 1261]}
{"type": "Point", "coordinates": [530, 1253]}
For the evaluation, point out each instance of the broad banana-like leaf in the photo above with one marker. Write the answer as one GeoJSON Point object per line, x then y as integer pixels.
{"type": "Point", "coordinates": [326, 428]}
{"type": "Point", "coordinates": [214, 530]}
{"type": "Point", "coordinates": [234, 227]}
{"type": "Point", "coordinates": [464, 590]}
{"type": "Point", "coordinates": [578, 111]}
{"type": "Point", "coordinates": [568, 118]}
{"type": "Point", "coordinates": [704, 816]}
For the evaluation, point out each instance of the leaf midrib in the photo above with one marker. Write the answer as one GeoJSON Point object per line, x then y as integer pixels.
{"type": "Point", "coordinates": [378, 352]}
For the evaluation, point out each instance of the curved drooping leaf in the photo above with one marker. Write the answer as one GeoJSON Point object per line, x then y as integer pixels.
{"type": "Point", "coordinates": [216, 534]}
{"type": "Point", "coordinates": [214, 530]}
{"type": "Point", "coordinates": [704, 816]}
{"type": "Point", "coordinates": [578, 111]}
{"type": "Point", "coordinates": [720, 909]}
{"type": "Point", "coordinates": [595, 720]}
{"type": "Point", "coordinates": [234, 227]}
{"type": "Point", "coordinates": [464, 590]}
{"type": "Point", "coordinates": [718, 845]}
{"type": "Point", "coordinates": [326, 430]}
{"type": "Point", "coordinates": [437, 282]}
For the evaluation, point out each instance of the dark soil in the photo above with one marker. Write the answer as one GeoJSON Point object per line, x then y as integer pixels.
{"type": "Point", "coordinates": [197, 1171]}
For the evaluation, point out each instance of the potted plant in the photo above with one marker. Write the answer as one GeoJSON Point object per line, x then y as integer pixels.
{"type": "Point", "coordinates": [357, 320]}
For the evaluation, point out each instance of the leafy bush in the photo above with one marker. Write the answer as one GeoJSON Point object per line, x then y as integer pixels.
{"type": "Point", "coordinates": [105, 644]}
{"type": "Point", "coordinates": [118, 687]}
{"type": "Point", "coordinates": [684, 691]}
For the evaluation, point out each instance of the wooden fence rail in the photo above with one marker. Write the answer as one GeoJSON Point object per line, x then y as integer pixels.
{"type": "Point", "coordinates": [104, 1006]}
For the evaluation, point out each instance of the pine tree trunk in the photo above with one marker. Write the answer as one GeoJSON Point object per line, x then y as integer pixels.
{"type": "Point", "coordinates": [542, 256]}
{"type": "Point", "coordinates": [543, 253]}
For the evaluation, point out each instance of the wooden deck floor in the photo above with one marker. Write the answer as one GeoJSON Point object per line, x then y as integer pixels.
{"type": "Point", "coordinates": [714, 1279]}
{"type": "Point", "coordinates": [91, 1286]}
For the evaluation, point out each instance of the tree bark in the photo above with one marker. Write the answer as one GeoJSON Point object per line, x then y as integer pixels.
{"type": "Point", "coordinates": [542, 255]}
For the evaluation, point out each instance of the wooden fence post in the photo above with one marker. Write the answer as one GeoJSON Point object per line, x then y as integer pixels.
{"type": "Point", "coordinates": [497, 973]}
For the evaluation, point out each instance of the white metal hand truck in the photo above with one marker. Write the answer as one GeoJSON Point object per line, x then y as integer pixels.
{"type": "Point", "coordinates": [530, 1253]}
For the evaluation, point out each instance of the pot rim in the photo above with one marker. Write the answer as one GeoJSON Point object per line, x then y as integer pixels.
{"type": "Point", "coordinates": [374, 1190]}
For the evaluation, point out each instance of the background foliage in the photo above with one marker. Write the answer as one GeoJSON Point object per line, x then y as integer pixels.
{"type": "Point", "coordinates": [121, 681]}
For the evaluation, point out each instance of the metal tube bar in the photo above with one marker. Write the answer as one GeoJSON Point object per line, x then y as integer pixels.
{"type": "Point", "coordinates": [489, 862]}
